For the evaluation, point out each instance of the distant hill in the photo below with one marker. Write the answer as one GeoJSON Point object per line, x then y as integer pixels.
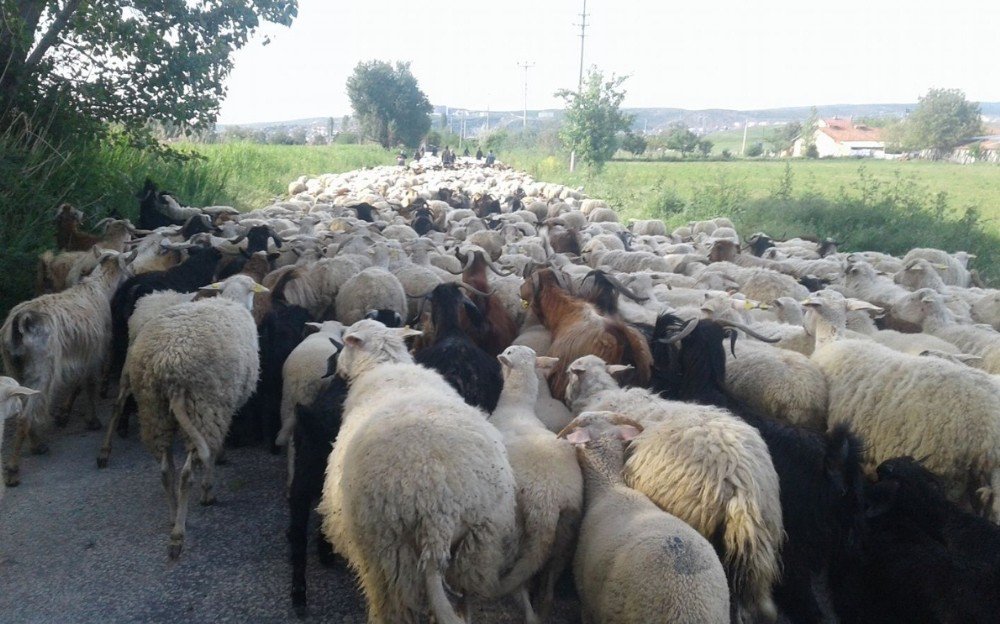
{"type": "Point", "coordinates": [650, 120]}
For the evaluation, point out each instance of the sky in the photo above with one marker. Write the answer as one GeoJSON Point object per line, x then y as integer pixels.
{"type": "Point", "coordinates": [734, 54]}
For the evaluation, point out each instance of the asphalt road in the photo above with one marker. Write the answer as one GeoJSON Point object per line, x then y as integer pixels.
{"type": "Point", "coordinates": [81, 545]}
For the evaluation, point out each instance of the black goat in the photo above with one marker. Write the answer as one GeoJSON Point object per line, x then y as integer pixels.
{"type": "Point", "coordinates": [316, 428]}
{"type": "Point", "coordinates": [921, 559]}
{"type": "Point", "coordinates": [196, 271]}
{"type": "Point", "coordinates": [819, 474]}
{"type": "Point", "coordinates": [605, 291]}
{"type": "Point", "coordinates": [151, 208]}
{"type": "Point", "coordinates": [485, 205]}
{"type": "Point", "coordinates": [260, 418]}
{"type": "Point", "coordinates": [257, 238]}
{"type": "Point", "coordinates": [364, 211]}
{"type": "Point", "coordinates": [198, 224]}
{"type": "Point", "coordinates": [423, 222]}
{"type": "Point", "coordinates": [813, 283]}
{"type": "Point", "coordinates": [469, 369]}
{"type": "Point", "coordinates": [759, 243]}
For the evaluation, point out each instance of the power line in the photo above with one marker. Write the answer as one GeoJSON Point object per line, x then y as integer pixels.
{"type": "Point", "coordinates": [525, 66]}
{"type": "Point", "coordinates": [583, 36]}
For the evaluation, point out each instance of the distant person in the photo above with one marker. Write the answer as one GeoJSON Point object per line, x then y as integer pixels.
{"type": "Point", "coordinates": [490, 158]}
{"type": "Point", "coordinates": [465, 154]}
{"type": "Point", "coordinates": [434, 150]}
{"type": "Point", "coordinates": [479, 154]}
{"type": "Point", "coordinates": [401, 159]}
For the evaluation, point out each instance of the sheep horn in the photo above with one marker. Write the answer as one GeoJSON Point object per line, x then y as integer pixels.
{"type": "Point", "coordinates": [103, 224]}
{"type": "Point", "coordinates": [682, 334]}
{"type": "Point", "coordinates": [732, 334]}
{"type": "Point", "coordinates": [749, 331]}
{"type": "Point", "coordinates": [498, 271]}
{"type": "Point", "coordinates": [422, 295]}
{"type": "Point", "coordinates": [474, 289]}
{"type": "Point", "coordinates": [239, 239]}
{"type": "Point", "coordinates": [625, 291]}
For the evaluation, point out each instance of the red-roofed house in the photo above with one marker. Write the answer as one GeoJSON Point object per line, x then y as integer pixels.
{"type": "Point", "coordinates": [840, 137]}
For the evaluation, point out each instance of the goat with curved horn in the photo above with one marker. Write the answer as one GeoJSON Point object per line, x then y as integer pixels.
{"type": "Point", "coordinates": [475, 290]}
{"type": "Point", "coordinates": [749, 332]}
{"type": "Point", "coordinates": [682, 334]}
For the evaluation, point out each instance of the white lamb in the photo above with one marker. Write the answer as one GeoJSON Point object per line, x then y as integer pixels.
{"type": "Point", "coordinates": [12, 398]}
{"type": "Point", "coordinates": [190, 369]}
{"type": "Point", "coordinates": [418, 489]}
{"type": "Point", "coordinates": [707, 467]}
{"type": "Point", "coordinates": [946, 414]}
{"type": "Point", "coordinates": [634, 562]}
{"type": "Point", "coordinates": [549, 485]}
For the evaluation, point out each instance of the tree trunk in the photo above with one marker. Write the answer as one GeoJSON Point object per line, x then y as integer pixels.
{"type": "Point", "coordinates": [16, 38]}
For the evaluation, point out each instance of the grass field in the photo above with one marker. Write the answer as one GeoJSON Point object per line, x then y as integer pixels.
{"type": "Point", "coordinates": [638, 189]}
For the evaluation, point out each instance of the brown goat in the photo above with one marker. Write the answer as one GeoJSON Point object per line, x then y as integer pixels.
{"type": "Point", "coordinates": [70, 238]}
{"type": "Point", "coordinates": [499, 328]}
{"type": "Point", "coordinates": [578, 329]}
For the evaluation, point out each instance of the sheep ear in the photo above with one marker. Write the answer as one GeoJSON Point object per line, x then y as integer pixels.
{"type": "Point", "coordinates": [614, 369]}
{"type": "Point", "coordinates": [857, 304]}
{"type": "Point", "coordinates": [503, 359]}
{"type": "Point", "coordinates": [578, 436]}
{"type": "Point", "coordinates": [545, 363]}
{"type": "Point", "coordinates": [211, 288]}
{"type": "Point", "coordinates": [354, 341]}
{"type": "Point", "coordinates": [881, 499]}
{"type": "Point", "coordinates": [257, 288]}
{"type": "Point", "coordinates": [23, 391]}
{"type": "Point", "coordinates": [628, 432]}
{"type": "Point", "coordinates": [406, 332]}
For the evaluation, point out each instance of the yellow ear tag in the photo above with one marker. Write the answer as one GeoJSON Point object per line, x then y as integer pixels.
{"type": "Point", "coordinates": [525, 304]}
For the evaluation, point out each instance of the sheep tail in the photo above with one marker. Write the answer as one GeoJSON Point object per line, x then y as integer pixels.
{"type": "Point", "coordinates": [750, 558]}
{"type": "Point", "coordinates": [179, 407]}
{"type": "Point", "coordinates": [534, 550]}
{"type": "Point", "coordinates": [441, 607]}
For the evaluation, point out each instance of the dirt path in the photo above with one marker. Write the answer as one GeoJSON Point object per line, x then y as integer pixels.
{"type": "Point", "coordinates": [83, 545]}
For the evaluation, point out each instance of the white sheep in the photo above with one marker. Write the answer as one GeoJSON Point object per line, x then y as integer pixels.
{"type": "Point", "coordinates": [549, 485]}
{"type": "Point", "coordinates": [418, 487]}
{"type": "Point", "coordinates": [946, 414]}
{"type": "Point", "coordinates": [12, 398]}
{"type": "Point", "coordinates": [707, 467]}
{"type": "Point", "coordinates": [927, 309]}
{"type": "Point", "coordinates": [635, 563]}
{"type": "Point", "coordinates": [190, 369]}
{"type": "Point", "coordinates": [58, 344]}
{"type": "Point", "coordinates": [372, 289]}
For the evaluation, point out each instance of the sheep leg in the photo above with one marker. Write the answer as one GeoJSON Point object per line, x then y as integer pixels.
{"type": "Point", "coordinates": [93, 422]}
{"type": "Point", "coordinates": [35, 442]}
{"type": "Point", "coordinates": [167, 472]}
{"type": "Point", "coordinates": [183, 494]}
{"type": "Point", "coordinates": [208, 480]}
{"type": "Point", "coordinates": [66, 408]}
{"type": "Point", "coordinates": [116, 413]}
{"type": "Point", "coordinates": [12, 471]}
{"type": "Point", "coordinates": [291, 464]}
{"type": "Point", "coordinates": [298, 536]}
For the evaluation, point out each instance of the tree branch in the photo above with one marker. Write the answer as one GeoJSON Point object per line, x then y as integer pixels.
{"type": "Point", "coordinates": [50, 36]}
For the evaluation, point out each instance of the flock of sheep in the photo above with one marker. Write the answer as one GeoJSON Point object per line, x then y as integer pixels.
{"type": "Point", "coordinates": [515, 385]}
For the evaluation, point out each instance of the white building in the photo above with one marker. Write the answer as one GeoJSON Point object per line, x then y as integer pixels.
{"type": "Point", "coordinates": [840, 137]}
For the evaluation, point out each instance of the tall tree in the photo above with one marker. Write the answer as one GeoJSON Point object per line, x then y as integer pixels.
{"type": "Point", "coordinates": [681, 139]}
{"type": "Point", "coordinates": [388, 103]}
{"type": "Point", "coordinates": [594, 118]}
{"type": "Point", "coordinates": [943, 119]}
{"type": "Point", "coordinates": [126, 61]}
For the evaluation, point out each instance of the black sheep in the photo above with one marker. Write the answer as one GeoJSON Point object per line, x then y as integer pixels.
{"type": "Point", "coordinates": [423, 222]}
{"type": "Point", "coordinates": [469, 369]}
{"type": "Point", "coordinates": [910, 569]}
{"type": "Point", "coordinates": [819, 474]}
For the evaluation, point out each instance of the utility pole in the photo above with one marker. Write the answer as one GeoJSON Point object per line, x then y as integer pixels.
{"type": "Point", "coordinates": [579, 81]}
{"type": "Point", "coordinates": [525, 66]}
{"type": "Point", "coordinates": [743, 149]}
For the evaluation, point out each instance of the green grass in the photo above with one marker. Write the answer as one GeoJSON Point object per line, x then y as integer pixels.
{"type": "Point", "coordinates": [637, 188]}
{"type": "Point", "coordinates": [732, 140]}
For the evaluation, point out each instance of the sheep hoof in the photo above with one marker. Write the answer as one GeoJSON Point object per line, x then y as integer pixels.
{"type": "Point", "coordinates": [122, 428]}
{"type": "Point", "coordinates": [174, 551]}
{"type": "Point", "coordinates": [208, 501]}
{"type": "Point", "coordinates": [11, 476]}
{"type": "Point", "coordinates": [40, 449]}
{"type": "Point", "coordinates": [94, 425]}
{"type": "Point", "coordinates": [299, 603]}
{"type": "Point", "coordinates": [102, 461]}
